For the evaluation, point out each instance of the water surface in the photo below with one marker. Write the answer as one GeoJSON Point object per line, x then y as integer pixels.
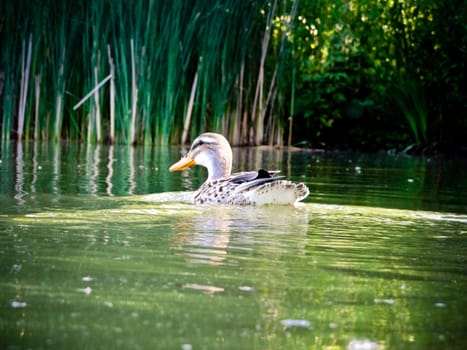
{"type": "Point", "coordinates": [96, 251]}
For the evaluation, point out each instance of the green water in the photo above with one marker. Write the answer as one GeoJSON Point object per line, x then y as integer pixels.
{"type": "Point", "coordinates": [98, 250]}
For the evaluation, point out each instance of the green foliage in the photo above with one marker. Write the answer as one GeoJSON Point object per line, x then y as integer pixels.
{"type": "Point", "coordinates": [325, 93]}
{"type": "Point", "coordinates": [351, 56]}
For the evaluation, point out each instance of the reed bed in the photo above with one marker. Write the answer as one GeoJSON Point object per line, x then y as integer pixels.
{"type": "Point", "coordinates": [142, 72]}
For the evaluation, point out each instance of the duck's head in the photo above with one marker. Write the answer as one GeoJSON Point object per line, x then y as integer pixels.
{"type": "Point", "coordinates": [210, 150]}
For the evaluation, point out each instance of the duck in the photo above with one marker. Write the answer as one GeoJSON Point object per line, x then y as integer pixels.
{"type": "Point", "coordinates": [212, 151]}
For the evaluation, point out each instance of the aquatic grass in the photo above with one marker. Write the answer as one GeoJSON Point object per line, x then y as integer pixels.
{"type": "Point", "coordinates": [222, 59]}
{"type": "Point", "coordinates": [410, 98]}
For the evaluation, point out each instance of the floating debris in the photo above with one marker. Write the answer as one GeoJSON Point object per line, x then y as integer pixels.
{"type": "Point", "coordinates": [87, 290]}
{"type": "Point", "coordinates": [385, 301]}
{"type": "Point", "coordinates": [246, 288]}
{"type": "Point", "coordinates": [362, 344]}
{"type": "Point", "coordinates": [88, 278]}
{"type": "Point", "coordinates": [204, 288]}
{"type": "Point", "coordinates": [440, 305]}
{"type": "Point", "coordinates": [108, 303]}
{"type": "Point", "coordinates": [18, 304]}
{"type": "Point", "coordinates": [296, 323]}
{"type": "Point", "coordinates": [16, 268]}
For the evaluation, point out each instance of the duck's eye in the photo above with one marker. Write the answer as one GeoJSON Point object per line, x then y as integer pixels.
{"type": "Point", "coordinates": [203, 141]}
{"type": "Point", "coordinates": [197, 144]}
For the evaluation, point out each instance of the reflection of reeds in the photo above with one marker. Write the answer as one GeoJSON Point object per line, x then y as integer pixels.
{"type": "Point", "coordinates": [175, 70]}
{"type": "Point", "coordinates": [20, 183]}
{"type": "Point", "coordinates": [110, 171]}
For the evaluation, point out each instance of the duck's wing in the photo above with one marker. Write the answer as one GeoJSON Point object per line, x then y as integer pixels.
{"type": "Point", "coordinates": [251, 179]}
{"type": "Point", "coordinates": [248, 176]}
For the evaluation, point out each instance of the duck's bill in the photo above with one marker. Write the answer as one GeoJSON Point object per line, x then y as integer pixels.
{"type": "Point", "coordinates": [182, 164]}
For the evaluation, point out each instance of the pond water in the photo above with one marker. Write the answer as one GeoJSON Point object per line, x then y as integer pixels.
{"type": "Point", "coordinates": [98, 250]}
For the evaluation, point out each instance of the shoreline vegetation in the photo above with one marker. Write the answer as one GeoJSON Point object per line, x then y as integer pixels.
{"type": "Point", "coordinates": [341, 75]}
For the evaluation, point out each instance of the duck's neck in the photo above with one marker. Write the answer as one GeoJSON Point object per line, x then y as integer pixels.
{"type": "Point", "coordinates": [219, 167]}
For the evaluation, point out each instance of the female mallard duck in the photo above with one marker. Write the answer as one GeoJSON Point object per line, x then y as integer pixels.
{"type": "Point", "coordinates": [213, 151]}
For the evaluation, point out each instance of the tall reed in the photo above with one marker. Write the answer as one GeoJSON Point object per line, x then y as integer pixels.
{"type": "Point", "coordinates": [25, 68]}
{"type": "Point", "coordinates": [175, 69]}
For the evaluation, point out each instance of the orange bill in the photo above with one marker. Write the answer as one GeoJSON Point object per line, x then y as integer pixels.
{"type": "Point", "coordinates": [183, 164]}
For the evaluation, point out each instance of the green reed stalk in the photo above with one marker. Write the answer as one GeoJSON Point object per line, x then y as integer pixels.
{"type": "Point", "coordinates": [97, 104]}
{"type": "Point", "coordinates": [189, 111]}
{"type": "Point", "coordinates": [25, 68]}
{"type": "Point", "coordinates": [59, 92]}
{"type": "Point", "coordinates": [59, 62]}
{"type": "Point", "coordinates": [292, 106]}
{"type": "Point", "coordinates": [134, 96]}
{"type": "Point", "coordinates": [37, 89]}
{"type": "Point", "coordinates": [257, 109]}
{"type": "Point", "coordinates": [92, 66]}
{"type": "Point", "coordinates": [8, 106]}
{"type": "Point", "coordinates": [36, 103]}
{"type": "Point", "coordinates": [111, 97]}
{"type": "Point", "coordinates": [237, 120]}
{"type": "Point", "coordinates": [147, 97]}
{"type": "Point", "coordinates": [123, 100]}
{"type": "Point", "coordinates": [146, 70]}
{"type": "Point", "coordinates": [172, 30]}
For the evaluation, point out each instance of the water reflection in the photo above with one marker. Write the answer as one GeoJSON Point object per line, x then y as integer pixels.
{"type": "Point", "coordinates": [209, 235]}
{"type": "Point", "coordinates": [132, 175]}
{"type": "Point", "coordinates": [110, 171]}
{"type": "Point", "coordinates": [19, 185]}
{"type": "Point", "coordinates": [157, 268]}
{"type": "Point", "coordinates": [435, 184]}
{"type": "Point", "coordinates": [93, 160]}
{"type": "Point", "coordinates": [56, 169]}
{"type": "Point", "coordinates": [35, 168]}
{"type": "Point", "coordinates": [204, 238]}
